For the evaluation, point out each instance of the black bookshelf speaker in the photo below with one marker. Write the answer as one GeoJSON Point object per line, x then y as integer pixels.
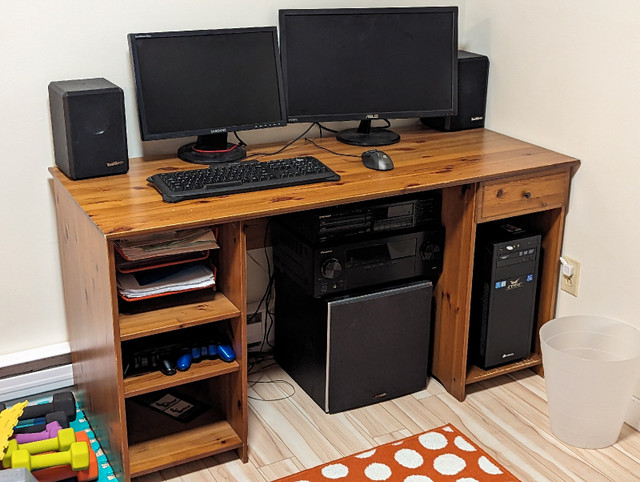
{"type": "Point", "coordinates": [473, 77]}
{"type": "Point", "coordinates": [88, 126]}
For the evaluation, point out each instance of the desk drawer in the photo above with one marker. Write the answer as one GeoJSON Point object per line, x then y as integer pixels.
{"type": "Point", "coordinates": [521, 195]}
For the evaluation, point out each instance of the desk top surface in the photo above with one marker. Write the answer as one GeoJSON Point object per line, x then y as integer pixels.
{"type": "Point", "coordinates": [125, 204]}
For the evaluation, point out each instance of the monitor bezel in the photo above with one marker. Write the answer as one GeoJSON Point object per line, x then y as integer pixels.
{"type": "Point", "coordinates": [367, 116]}
{"type": "Point", "coordinates": [146, 135]}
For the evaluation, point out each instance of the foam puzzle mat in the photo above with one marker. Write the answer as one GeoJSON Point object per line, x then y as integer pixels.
{"type": "Point", "coordinates": [105, 472]}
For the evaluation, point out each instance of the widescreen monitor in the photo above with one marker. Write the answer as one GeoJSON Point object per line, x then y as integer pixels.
{"type": "Point", "coordinates": [372, 63]}
{"type": "Point", "coordinates": [207, 83]}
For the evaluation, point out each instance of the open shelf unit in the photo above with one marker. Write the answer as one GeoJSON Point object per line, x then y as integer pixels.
{"type": "Point", "coordinates": [154, 440]}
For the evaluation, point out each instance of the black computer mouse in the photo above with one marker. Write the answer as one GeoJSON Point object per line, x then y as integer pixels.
{"type": "Point", "coordinates": [378, 160]}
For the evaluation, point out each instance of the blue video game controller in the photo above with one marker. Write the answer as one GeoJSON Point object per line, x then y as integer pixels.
{"type": "Point", "coordinates": [226, 353]}
{"type": "Point", "coordinates": [183, 362]}
{"type": "Point", "coordinates": [212, 351]}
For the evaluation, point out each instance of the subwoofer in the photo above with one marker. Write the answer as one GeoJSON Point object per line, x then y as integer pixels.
{"type": "Point", "coordinates": [349, 351]}
{"type": "Point", "coordinates": [88, 126]}
{"type": "Point", "coordinates": [473, 76]}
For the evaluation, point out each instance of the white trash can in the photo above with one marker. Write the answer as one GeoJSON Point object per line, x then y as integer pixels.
{"type": "Point", "coordinates": [591, 369]}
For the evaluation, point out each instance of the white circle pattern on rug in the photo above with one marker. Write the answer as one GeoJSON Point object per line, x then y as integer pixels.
{"type": "Point", "coordinates": [409, 458]}
{"type": "Point", "coordinates": [377, 472]}
{"type": "Point", "coordinates": [462, 444]}
{"type": "Point", "coordinates": [433, 440]}
{"type": "Point", "coordinates": [366, 455]}
{"type": "Point", "coordinates": [335, 471]}
{"type": "Point", "coordinates": [449, 464]}
{"type": "Point", "coordinates": [488, 466]}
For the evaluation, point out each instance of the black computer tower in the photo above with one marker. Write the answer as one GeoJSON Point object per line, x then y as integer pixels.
{"type": "Point", "coordinates": [504, 295]}
{"type": "Point", "coordinates": [354, 350]}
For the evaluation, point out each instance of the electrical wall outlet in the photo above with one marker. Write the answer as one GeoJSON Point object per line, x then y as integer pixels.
{"type": "Point", "coordinates": [570, 283]}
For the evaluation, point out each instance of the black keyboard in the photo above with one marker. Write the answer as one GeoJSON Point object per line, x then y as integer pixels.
{"type": "Point", "coordinates": [243, 176]}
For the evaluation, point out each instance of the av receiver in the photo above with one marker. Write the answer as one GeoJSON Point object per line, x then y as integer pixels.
{"type": "Point", "coordinates": [324, 269]}
{"type": "Point", "coordinates": [364, 219]}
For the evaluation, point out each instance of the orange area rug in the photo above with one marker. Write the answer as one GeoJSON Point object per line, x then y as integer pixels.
{"type": "Point", "coordinates": [441, 454]}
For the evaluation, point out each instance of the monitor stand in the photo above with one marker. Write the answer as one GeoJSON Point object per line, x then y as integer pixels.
{"type": "Point", "coordinates": [365, 135]}
{"type": "Point", "coordinates": [212, 149]}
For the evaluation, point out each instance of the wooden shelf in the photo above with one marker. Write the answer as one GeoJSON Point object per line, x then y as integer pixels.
{"type": "Point", "coordinates": [151, 382]}
{"type": "Point", "coordinates": [205, 308]}
{"type": "Point", "coordinates": [476, 374]}
{"type": "Point", "coordinates": [157, 442]}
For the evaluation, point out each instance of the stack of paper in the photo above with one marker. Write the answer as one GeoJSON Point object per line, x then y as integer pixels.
{"type": "Point", "coordinates": [166, 244]}
{"type": "Point", "coordinates": [160, 282]}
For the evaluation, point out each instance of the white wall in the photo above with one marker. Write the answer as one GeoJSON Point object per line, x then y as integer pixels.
{"type": "Point", "coordinates": [42, 41]}
{"type": "Point", "coordinates": [564, 75]}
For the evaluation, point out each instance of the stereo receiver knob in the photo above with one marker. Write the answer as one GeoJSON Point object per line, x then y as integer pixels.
{"type": "Point", "coordinates": [331, 268]}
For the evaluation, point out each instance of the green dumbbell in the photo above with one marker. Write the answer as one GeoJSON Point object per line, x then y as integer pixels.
{"type": "Point", "coordinates": [77, 457]}
{"type": "Point", "coordinates": [62, 441]}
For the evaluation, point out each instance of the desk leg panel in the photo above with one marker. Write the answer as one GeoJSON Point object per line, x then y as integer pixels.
{"type": "Point", "coordinates": [88, 276]}
{"type": "Point", "coordinates": [453, 291]}
{"type": "Point", "coordinates": [551, 225]}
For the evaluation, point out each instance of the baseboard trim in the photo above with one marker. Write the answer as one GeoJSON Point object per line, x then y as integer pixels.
{"type": "Point", "coordinates": [36, 371]}
{"type": "Point", "coordinates": [35, 359]}
{"type": "Point", "coordinates": [30, 384]}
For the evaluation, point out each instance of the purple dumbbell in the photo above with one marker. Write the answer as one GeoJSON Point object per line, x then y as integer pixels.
{"type": "Point", "coordinates": [50, 431]}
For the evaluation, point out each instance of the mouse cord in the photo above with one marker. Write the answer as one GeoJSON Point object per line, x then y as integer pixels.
{"type": "Point", "coordinates": [329, 150]}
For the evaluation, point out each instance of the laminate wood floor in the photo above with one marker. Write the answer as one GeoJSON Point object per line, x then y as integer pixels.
{"type": "Point", "coordinates": [507, 416]}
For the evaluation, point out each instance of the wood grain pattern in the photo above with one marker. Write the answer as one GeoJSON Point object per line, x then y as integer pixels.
{"type": "Point", "coordinates": [424, 159]}
{"type": "Point", "coordinates": [88, 276]}
{"type": "Point", "coordinates": [520, 195]}
{"type": "Point", "coordinates": [453, 290]}
{"type": "Point", "coordinates": [216, 307]}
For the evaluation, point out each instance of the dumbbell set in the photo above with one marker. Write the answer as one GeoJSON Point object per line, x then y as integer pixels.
{"type": "Point", "coordinates": [51, 450]}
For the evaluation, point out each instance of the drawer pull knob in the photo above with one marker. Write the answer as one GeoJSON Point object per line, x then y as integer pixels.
{"type": "Point", "coordinates": [527, 195]}
{"type": "Point", "coordinates": [499, 193]}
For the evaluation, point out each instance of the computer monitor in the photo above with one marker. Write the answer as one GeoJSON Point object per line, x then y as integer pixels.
{"type": "Point", "coordinates": [207, 83]}
{"type": "Point", "coordinates": [364, 64]}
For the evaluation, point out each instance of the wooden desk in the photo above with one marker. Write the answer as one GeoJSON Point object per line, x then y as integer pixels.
{"type": "Point", "coordinates": [483, 176]}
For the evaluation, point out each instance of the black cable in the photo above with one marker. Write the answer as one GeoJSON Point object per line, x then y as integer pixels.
{"type": "Point", "coordinates": [321, 127]}
{"type": "Point", "coordinates": [329, 150]}
{"type": "Point", "coordinates": [283, 147]}
{"type": "Point", "coordinates": [240, 141]}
